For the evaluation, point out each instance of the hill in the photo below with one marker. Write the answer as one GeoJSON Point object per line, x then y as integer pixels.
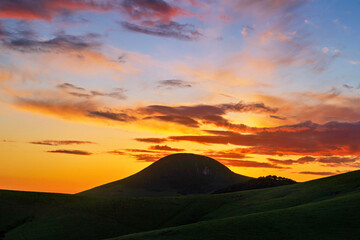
{"type": "Point", "coordinates": [176, 174]}
{"type": "Point", "coordinates": [326, 208]}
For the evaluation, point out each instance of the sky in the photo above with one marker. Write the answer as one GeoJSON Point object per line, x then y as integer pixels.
{"type": "Point", "coordinates": [93, 91]}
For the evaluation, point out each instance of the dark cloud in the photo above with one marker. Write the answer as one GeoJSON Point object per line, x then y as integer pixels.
{"type": "Point", "coordinates": [76, 152]}
{"type": "Point", "coordinates": [282, 162]}
{"type": "Point", "coordinates": [187, 121]}
{"type": "Point", "coordinates": [232, 154]}
{"type": "Point", "coordinates": [122, 117]}
{"type": "Point", "coordinates": [61, 142]}
{"type": "Point", "coordinates": [193, 116]}
{"type": "Point", "coordinates": [247, 107]}
{"type": "Point", "coordinates": [174, 83]}
{"type": "Point", "coordinates": [333, 138]}
{"type": "Point", "coordinates": [347, 86]}
{"type": "Point", "coordinates": [140, 9]}
{"type": "Point", "coordinates": [166, 148]}
{"type": "Point", "coordinates": [252, 164]}
{"type": "Point", "coordinates": [176, 30]}
{"type": "Point", "coordinates": [70, 86]}
{"type": "Point", "coordinates": [278, 117]}
{"type": "Point", "coordinates": [318, 173]}
{"type": "Point", "coordinates": [151, 140]}
{"type": "Point", "coordinates": [329, 161]}
{"type": "Point", "coordinates": [48, 9]}
{"type": "Point", "coordinates": [153, 17]}
{"type": "Point", "coordinates": [306, 159]}
{"type": "Point", "coordinates": [61, 42]}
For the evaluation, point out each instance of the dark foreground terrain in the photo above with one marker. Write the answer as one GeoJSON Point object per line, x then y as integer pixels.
{"type": "Point", "coordinates": [327, 208]}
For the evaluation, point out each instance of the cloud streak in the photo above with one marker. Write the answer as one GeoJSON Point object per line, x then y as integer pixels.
{"type": "Point", "coordinates": [166, 148]}
{"type": "Point", "coordinates": [186, 32]}
{"type": "Point", "coordinates": [61, 142]}
{"type": "Point", "coordinates": [174, 83]}
{"type": "Point", "coordinates": [74, 152]}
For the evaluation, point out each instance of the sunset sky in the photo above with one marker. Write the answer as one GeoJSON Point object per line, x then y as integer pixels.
{"type": "Point", "coordinates": [92, 91]}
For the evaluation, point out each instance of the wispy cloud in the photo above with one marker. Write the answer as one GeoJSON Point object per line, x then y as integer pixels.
{"type": "Point", "coordinates": [151, 140]}
{"type": "Point", "coordinates": [317, 173]}
{"type": "Point", "coordinates": [118, 93]}
{"type": "Point", "coordinates": [61, 142]}
{"type": "Point", "coordinates": [75, 152]}
{"type": "Point", "coordinates": [166, 148]}
{"type": "Point", "coordinates": [186, 32]}
{"type": "Point", "coordinates": [174, 83]}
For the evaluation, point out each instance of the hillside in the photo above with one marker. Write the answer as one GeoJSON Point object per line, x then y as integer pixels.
{"type": "Point", "coordinates": [176, 174]}
{"type": "Point", "coordinates": [326, 208]}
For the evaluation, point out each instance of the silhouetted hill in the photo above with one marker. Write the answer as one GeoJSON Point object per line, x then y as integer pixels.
{"type": "Point", "coordinates": [177, 174]}
{"type": "Point", "coordinates": [256, 183]}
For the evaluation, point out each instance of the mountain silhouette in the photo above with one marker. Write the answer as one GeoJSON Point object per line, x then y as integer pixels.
{"type": "Point", "coordinates": [176, 174]}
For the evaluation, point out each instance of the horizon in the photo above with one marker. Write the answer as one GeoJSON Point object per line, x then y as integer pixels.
{"type": "Point", "coordinates": [95, 91]}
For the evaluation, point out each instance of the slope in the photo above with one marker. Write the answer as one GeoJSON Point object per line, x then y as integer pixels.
{"type": "Point", "coordinates": [41, 216]}
{"type": "Point", "coordinates": [336, 218]}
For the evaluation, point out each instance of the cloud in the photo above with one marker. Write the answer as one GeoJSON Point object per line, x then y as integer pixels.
{"type": "Point", "coordinates": [186, 121]}
{"type": "Point", "coordinates": [151, 140]}
{"type": "Point", "coordinates": [327, 161]}
{"type": "Point", "coordinates": [251, 164]}
{"type": "Point", "coordinates": [319, 107]}
{"type": "Point", "coordinates": [136, 150]}
{"type": "Point", "coordinates": [75, 152]}
{"type": "Point", "coordinates": [154, 17]}
{"type": "Point", "coordinates": [317, 173]}
{"type": "Point", "coordinates": [278, 117]}
{"type": "Point", "coordinates": [26, 42]}
{"type": "Point", "coordinates": [148, 157]}
{"type": "Point", "coordinates": [46, 9]}
{"type": "Point", "coordinates": [282, 162]}
{"type": "Point", "coordinates": [195, 115]}
{"type": "Point", "coordinates": [61, 142]}
{"type": "Point", "coordinates": [70, 86]}
{"type": "Point", "coordinates": [82, 92]}
{"type": "Point", "coordinates": [151, 9]}
{"type": "Point", "coordinates": [60, 107]}
{"type": "Point", "coordinates": [186, 32]}
{"type": "Point", "coordinates": [225, 154]}
{"type": "Point", "coordinates": [333, 138]}
{"type": "Point", "coordinates": [116, 152]}
{"type": "Point", "coordinates": [166, 148]}
{"type": "Point", "coordinates": [49, 9]}
{"type": "Point", "coordinates": [116, 116]}
{"type": "Point", "coordinates": [174, 83]}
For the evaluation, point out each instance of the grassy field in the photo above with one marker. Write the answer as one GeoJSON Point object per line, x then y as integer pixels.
{"type": "Point", "coordinates": [327, 208]}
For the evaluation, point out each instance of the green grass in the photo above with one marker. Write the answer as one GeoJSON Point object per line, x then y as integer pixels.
{"type": "Point", "coordinates": [329, 219]}
{"type": "Point", "coordinates": [327, 208]}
